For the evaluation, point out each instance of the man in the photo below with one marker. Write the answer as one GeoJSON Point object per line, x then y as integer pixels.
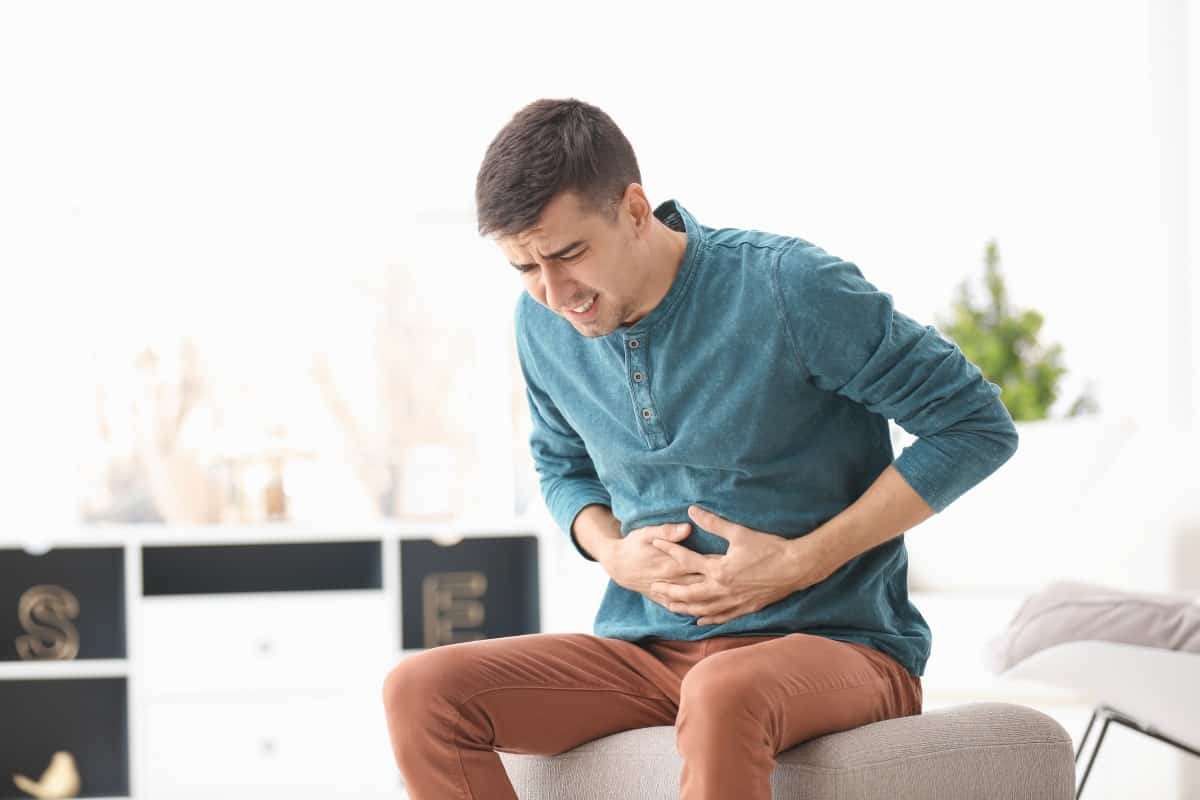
{"type": "Point", "coordinates": [709, 411]}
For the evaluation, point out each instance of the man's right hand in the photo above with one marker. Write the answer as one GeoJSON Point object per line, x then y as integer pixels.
{"type": "Point", "coordinates": [634, 563]}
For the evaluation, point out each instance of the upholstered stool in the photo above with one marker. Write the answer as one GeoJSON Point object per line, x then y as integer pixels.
{"type": "Point", "coordinates": [988, 751]}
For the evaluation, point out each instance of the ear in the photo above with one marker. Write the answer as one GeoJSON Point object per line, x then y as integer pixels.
{"type": "Point", "coordinates": [635, 204]}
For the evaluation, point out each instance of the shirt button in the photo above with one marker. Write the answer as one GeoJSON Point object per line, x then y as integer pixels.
{"type": "Point", "coordinates": [637, 376]}
{"type": "Point", "coordinates": [633, 343]}
{"type": "Point", "coordinates": [647, 413]}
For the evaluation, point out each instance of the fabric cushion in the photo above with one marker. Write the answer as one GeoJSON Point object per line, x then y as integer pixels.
{"type": "Point", "coordinates": [999, 751]}
{"type": "Point", "coordinates": [1066, 611]}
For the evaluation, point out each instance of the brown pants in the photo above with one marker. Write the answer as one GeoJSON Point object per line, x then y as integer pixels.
{"type": "Point", "coordinates": [735, 703]}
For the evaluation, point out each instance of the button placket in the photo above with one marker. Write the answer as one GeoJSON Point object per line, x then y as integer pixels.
{"type": "Point", "coordinates": [647, 415]}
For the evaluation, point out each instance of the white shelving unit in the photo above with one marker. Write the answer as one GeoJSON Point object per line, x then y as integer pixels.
{"type": "Point", "coordinates": [236, 689]}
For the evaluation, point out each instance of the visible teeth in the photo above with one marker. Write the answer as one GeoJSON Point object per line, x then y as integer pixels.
{"type": "Point", "coordinates": [585, 306]}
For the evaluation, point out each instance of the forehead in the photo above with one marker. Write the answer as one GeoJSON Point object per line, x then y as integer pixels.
{"type": "Point", "coordinates": [562, 222]}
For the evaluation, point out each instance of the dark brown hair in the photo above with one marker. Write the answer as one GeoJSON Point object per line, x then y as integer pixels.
{"type": "Point", "coordinates": [550, 146]}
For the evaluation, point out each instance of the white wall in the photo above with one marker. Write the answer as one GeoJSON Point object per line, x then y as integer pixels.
{"type": "Point", "coordinates": [193, 150]}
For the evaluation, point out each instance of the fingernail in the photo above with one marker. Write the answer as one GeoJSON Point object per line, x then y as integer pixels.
{"type": "Point", "coordinates": [681, 527]}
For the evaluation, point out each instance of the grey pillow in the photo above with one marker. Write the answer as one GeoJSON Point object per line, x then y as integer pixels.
{"type": "Point", "coordinates": [1066, 611]}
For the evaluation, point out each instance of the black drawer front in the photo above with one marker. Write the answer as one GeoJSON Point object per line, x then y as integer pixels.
{"type": "Point", "coordinates": [293, 567]}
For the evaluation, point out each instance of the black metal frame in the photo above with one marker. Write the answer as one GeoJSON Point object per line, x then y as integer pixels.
{"type": "Point", "coordinates": [1111, 714]}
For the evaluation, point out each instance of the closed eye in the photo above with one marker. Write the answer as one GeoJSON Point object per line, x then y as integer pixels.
{"type": "Point", "coordinates": [527, 267]}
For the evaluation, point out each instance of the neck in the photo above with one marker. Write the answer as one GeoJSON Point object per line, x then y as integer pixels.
{"type": "Point", "coordinates": [667, 249]}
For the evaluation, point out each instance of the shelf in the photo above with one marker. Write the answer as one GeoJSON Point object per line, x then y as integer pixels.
{"type": "Point", "coordinates": [74, 668]}
{"type": "Point", "coordinates": [68, 603]}
{"type": "Point", "coordinates": [487, 586]}
{"type": "Point", "coordinates": [111, 534]}
{"type": "Point", "coordinates": [87, 717]}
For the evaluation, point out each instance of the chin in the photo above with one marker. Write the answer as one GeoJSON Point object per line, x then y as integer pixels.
{"type": "Point", "coordinates": [594, 329]}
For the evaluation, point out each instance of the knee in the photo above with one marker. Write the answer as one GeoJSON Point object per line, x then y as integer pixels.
{"type": "Point", "coordinates": [699, 689]}
{"type": "Point", "coordinates": [711, 692]}
{"type": "Point", "coordinates": [415, 684]}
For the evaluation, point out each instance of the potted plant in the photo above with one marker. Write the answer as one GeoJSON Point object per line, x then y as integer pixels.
{"type": "Point", "coordinates": [1003, 342]}
{"type": "Point", "coordinates": [1038, 500]}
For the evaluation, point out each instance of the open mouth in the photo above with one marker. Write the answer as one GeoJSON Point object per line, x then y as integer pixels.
{"type": "Point", "coordinates": [589, 309]}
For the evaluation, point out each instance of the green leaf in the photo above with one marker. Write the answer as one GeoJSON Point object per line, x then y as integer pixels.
{"type": "Point", "coordinates": [1003, 343]}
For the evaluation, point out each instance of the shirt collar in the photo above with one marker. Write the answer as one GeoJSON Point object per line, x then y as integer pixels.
{"type": "Point", "coordinates": [675, 216]}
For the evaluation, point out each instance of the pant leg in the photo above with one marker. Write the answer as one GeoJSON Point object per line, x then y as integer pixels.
{"type": "Point", "coordinates": [744, 703]}
{"type": "Point", "coordinates": [450, 707]}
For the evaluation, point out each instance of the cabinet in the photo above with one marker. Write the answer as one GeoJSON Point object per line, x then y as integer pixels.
{"type": "Point", "coordinates": [238, 662]}
{"type": "Point", "coordinates": [67, 605]}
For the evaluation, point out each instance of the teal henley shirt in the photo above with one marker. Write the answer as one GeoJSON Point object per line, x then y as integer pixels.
{"type": "Point", "coordinates": [759, 388]}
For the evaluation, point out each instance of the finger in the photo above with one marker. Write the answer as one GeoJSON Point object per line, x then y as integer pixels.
{"type": "Point", "coordinates": [689, 559]}
{"type": "Point", "coordinates": [695, 593]}
{"type": "Point", "coordinates": [670, 530]}
{"type": "Point", "coordinates": [715, 523]}
{"type": "Point", "coordinates": [676, 530]}
{"type": "Point", "coordinates": [655, 590]}
{"type": "Point", "coordinates": [718, 617]}
{"type": "Point", "coordinates": [701, 609]}
{"type": "Point", "coordinates": [685, 578]}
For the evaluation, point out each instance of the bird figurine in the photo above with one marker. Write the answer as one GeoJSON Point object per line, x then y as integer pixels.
{"type": "Point", "coordinates": [59, 781]}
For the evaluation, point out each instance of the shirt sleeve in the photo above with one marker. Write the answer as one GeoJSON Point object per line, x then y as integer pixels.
{"type": "Point", "coordinates": [566, 474]}
{"type": "Point", "coordinates": [852, 341]}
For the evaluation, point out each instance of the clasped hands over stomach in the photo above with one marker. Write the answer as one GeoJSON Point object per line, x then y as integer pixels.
{"type": "Point", "coordinates": [758, 568]}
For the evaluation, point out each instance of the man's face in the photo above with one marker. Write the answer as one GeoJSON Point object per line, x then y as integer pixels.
{"type": "Point", "coordinates": [573, 256]}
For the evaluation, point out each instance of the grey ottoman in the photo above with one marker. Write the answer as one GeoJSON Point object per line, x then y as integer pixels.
{"type": "Point", "coordinates": [990, 751]}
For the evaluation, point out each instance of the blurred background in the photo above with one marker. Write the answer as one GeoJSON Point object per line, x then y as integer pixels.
{"type": "Point", "coordinates": [244, 303]}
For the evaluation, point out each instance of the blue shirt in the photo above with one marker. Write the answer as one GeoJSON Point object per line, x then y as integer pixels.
{"type": "Point", "coordinates": [759, 388]}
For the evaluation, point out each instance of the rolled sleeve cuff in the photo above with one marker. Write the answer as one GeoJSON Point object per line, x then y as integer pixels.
{"type": "Point", "coordinates": [565, 505]}
{"type": "Point", "coordinates": [941, 468]}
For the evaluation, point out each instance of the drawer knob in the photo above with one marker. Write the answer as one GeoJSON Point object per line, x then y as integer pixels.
{"type": "Point", "coordinates": [264, 646]}
{"type": "Point", "coordinates": [268, 746]}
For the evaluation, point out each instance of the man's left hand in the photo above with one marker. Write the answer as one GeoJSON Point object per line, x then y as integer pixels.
{"type": "Point", "coordinates": [757, 569]}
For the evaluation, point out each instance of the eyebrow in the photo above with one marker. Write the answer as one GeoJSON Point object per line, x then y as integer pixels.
{"type": "Point", "coordinates": [562, 251]}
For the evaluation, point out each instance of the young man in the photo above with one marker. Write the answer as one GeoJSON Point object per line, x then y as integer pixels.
{"type": "Point", "coordinates": [709, 412]}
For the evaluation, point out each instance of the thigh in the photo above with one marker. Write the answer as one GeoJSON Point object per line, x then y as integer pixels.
{"type": "Point", "coordinates": [542, 693]}
{"type": "Point", "coordinates": [801, 686]}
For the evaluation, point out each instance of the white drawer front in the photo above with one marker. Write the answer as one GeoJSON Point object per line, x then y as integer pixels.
{"type": "Point", "coordinates": [269, 640]}
{"type": "Point", "coordinates": [289, 746]}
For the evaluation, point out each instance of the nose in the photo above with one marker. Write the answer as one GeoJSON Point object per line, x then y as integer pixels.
{"type": "Point", "coordinates": [557, 291]}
